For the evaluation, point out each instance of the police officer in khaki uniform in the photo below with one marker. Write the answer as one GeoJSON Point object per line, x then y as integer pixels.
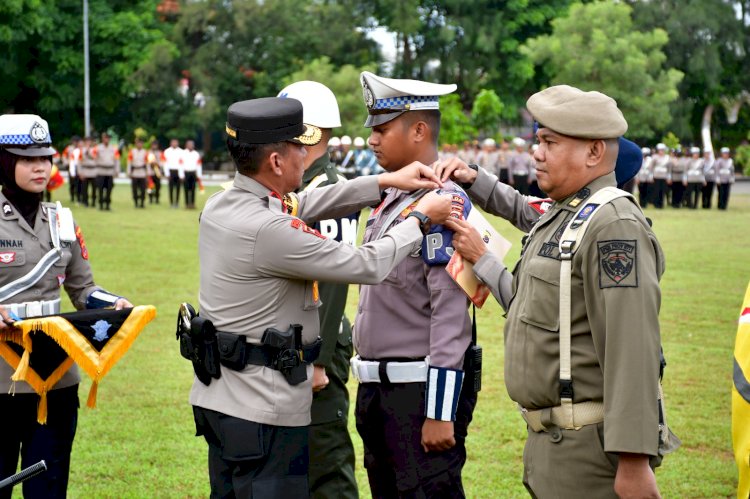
{"type": "Point", "coordinates": [695, 177]}
{"type": "Point", "coordinates": [107, 168]}
{"type": "Point", "coordinates": [411, 331]}
{"type": "Point", "coordinates": [41, 250]}
{"type": "Point", "coordinates": [260, 263]}
{"type": "Point", "coordinates": [331, 449]}
{"type": "Point", "coordinates": [660, 174]}
{"type": "Point", "coordinates": [87, 173]}
{"type": "Point", "coordinates": [606, 441]}
{"type": "Point", "coordinates": [138, 172]}
{"type": "Point", "coordinates": [724, 177]}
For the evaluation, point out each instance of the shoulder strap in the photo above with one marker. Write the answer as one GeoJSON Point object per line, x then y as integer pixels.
{"type": "Point", "coordinates": [569, 240]}
{"type": "Point", "coordinates": [42, 267]}
{"type": "Point", "coordinates": [397, 210]}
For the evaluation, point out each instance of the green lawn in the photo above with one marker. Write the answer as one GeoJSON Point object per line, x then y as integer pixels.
{"type": "Point", "coordinates": [139, 441]}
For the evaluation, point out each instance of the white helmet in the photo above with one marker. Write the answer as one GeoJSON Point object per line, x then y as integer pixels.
{"type": "Point", "coordinates": [359, 142]}
{"type": "Point", "coordinates": [334, 142]}
{"type": "Point", "coordinates": [346, 140]}
{"type": "Point", "coordinates": [519, 142]}
{"type": "Point", "coordinates": [489, 142]}
{"type": "Point", "coordinates": [319, 106]}
{"type": "Point", "coordinates": [645, 150]}
{"type": "Point", "coordinates": [695, 150]}
{"type": "Point", "coordinates": [661, 147]}
{"type": "Point", "coordinates": [724, 150]}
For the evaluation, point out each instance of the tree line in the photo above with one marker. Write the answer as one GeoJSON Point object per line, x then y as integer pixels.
{"type": "Point", "coordinates": [170, 68]}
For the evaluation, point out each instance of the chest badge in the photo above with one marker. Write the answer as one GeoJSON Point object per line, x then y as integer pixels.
{"type": "Point", "coordinates": [7, 257]}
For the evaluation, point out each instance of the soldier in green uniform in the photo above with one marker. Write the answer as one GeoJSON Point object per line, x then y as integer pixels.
{"type": "Point", "coordinates": [585, 376]}
{"type": "Point", "coordinates": [331, 472]}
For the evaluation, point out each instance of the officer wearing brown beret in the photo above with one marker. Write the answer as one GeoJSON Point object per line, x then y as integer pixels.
{"type": "Point", "coordinates": [259, 267]}
{"type": "Point", "coordinates": [582, 342]}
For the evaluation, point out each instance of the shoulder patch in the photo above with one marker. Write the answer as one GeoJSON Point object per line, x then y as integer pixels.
{"type": "Point", "coordinates": [618, 263]}
{"type": "Point", "coordinates": [541, 206]}
{"type": "Point", "coordinates": [299, 224]}
{"type": "Point", "coordinates": [82, 243]}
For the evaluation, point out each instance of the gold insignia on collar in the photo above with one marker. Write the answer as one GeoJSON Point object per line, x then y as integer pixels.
{"type": "Point", "coordinates": [575, 202]}
{"type": "Point", "coordinates": [311, 135]}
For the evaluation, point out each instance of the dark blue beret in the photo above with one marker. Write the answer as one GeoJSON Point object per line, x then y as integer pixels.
{"type": "Point", "coordinates": [629, 160]}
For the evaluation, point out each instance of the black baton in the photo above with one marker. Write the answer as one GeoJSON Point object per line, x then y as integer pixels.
{"type": "Point", "coordinates": [22, 475]}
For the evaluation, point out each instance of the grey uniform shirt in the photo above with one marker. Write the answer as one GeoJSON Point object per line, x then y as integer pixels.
{"type": "Point", "coordinates": [521, 163]}
{"type": "Point", "coordinates": [258, 267]}
{"type": "Point", "coordinates": [21, 248]}
{"type": "Point", "coordinates": [694, 172]}
{"type": "Point", "coordinates": [660, 167]}
{"type": "Point", "coordinates": [724, 171]}
{"type": "Point", "coordinates": [417, 311]}
{"type": "Point", "coordinates": [137, 159]}
{"type": "Point", "coordinates": [107, 160]}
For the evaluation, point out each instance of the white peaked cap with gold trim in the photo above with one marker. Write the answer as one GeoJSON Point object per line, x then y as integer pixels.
{"type": "Point", "coordinates": [388, 98]}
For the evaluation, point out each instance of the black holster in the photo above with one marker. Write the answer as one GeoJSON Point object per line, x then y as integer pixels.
{"type": "Point", "coordinates": [473, 367]}
{"type": "Point", "coordinates": [279, 350]}
{"type": "Point", "coordinates": [198, 343]}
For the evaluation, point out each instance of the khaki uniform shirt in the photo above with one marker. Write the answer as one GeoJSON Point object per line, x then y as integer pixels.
{"type": "Point", "coordinates": [489, 160]}
{"type": "Point", "coordinates": [724, 171]}
{"type": "Point", "coordinates": [521, 163]}
{"type": "Point", "coordinates": [417, 311]}
{"type": "Point", "coordinates": [615, 300]}
{"type": "Point", "coordinates": [258, 267]}
{"type": "Point", "coordinates": [88, 168]}
{"type": "Point", "coordinates": [137, 163]}
{"type": "Point", "coordinates": [694, 173]}
{"type": "Point", "coordinates": [107, 162]}
{"type": "Point", "coordinates": [660, 166]}
{"type": "Point", "coordinates": [467, 155]}
{"type": "Point", "coordinates": [21, 248]}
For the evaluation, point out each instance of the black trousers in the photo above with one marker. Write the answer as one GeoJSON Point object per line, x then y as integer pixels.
{"type": "Point", "coordinates": [724, 195]}
{"type": "Point", "coordinates": [658, 192]}
{"type": "Point", "coordinates": [503, 176]}
{"type": "Point", "coordinates": [51, 442]}
{"type": "Point", "coordinates": [74, 189]}
{"type": "Point", "coordinates": [190, 181]}
{"type": "Point", "coordinates": [153, 195]}
{"type": "Point", "coordinates": [252, 460]}
{"type": "Point", "coordinates": [389, 420]}
{"type": "Point", "coordinates": [521, 183]}
{"type": "Point", "coordinates": [104, 185]}
{"type": "Point", "coordinates": [174, 188]}
{"type": "Point", "coordinates": [138, 186]}
{"type": "Point", "coordinates": [692, 194]}
{"type": "Point", "coordinates": [707, 193]}
{"type": "Point", "coordinates": [678, 193]}
{"type": "Point", "coordinates": [88, 186]}
{"type": "Point", "coordinates": [643, 193]}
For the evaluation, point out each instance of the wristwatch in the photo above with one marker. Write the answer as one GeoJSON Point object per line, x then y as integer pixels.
{"type": "Point", "coordinates": [424, 221]}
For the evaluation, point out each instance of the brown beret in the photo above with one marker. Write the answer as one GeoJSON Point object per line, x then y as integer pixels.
{"type": "Point", "coordinates": [570, 111]}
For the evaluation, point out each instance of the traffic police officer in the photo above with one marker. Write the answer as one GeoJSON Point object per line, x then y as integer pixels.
{"type": "Point", "coordinates": [138, 172]}
{"type": "Point", "coordinates": [591, 406]}
{"type": "Point", "coordinates": [331, 449]}
{"type": "Point", "coordinates": [695, 177]}
{"type": "Point", "coordinates": [411, 332]}
{"type": "Point", "coordinates": [660, 174]}
{"type": "Point", "coordinates": [41, 250]}
{"type": "Point", "coordinates": [259, 264]}
{"type": "Point", "coordinates": [645, 178]}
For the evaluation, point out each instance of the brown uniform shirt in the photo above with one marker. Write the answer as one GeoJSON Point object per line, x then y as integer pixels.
{"type": "Point", "coordinates": [258, 267]}
{"type": "Point", "coordinates": [21, 248]}
{"type": "Point", "coordinates": [107, 161]}
{"type": "Point", "coordinates": [614, 315]}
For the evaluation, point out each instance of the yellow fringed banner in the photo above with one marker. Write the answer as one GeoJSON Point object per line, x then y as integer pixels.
{"type": "Point", "coordinates": [741, 399]}
{"type": "Point", "coordinates": [93, 339]}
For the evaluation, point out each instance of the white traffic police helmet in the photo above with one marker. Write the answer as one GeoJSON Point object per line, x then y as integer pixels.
{"type": "Point", "coordinates": [25, 135]}
{"type": "Point", "coordinates": [319, 106]}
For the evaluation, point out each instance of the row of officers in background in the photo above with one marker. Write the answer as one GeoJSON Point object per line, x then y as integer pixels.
{"type": "Point", "coordinates": [92, 167]}
{"type": "Point", "coordinates": [684, 178]}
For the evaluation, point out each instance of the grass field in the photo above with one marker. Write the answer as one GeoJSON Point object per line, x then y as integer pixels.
{"type": "Point", "coordinates": [139, 441]}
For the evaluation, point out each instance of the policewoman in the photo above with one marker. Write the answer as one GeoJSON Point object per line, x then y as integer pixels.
{"type": "Point", "coordinates": [259, 266]}
{"type": "Point", "coordinates": [41, 250]}
{"type": "Point", "coordinates": [582, 366]}
{"type": "Point", "coordinates": [415, 400]}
